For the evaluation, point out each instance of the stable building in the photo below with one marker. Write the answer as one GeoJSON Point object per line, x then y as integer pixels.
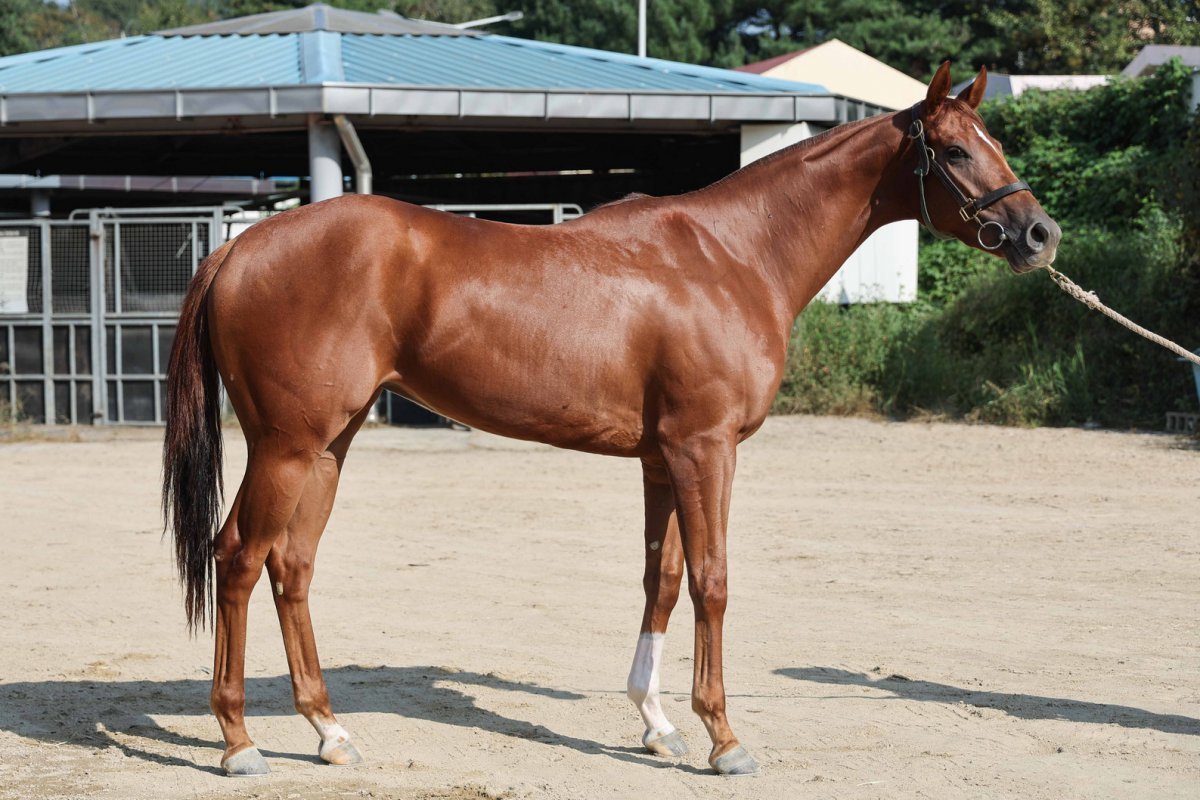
{"type": "Point", "coordinates": [171, 127]}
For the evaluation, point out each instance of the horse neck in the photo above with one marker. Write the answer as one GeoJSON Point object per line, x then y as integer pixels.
{"type": "Point", "coordinates": [797, 215]}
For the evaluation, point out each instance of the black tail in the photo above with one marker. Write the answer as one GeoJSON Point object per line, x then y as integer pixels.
{"type": "Point", "coordinates": [192, 484]}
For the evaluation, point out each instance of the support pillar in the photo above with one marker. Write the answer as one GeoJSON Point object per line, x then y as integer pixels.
{"type": "Point", "coordinates": [39, 203]}
{"type": "Point", "coordinates": [762, 140]}
{"type": "Point", "coordinates": [324, 160]}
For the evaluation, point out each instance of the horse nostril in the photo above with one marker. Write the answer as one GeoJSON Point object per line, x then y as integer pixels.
{"type": "Point", "coordinates": [1036, 236]}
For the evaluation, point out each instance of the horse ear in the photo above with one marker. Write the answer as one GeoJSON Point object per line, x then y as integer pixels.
{"type": "Point", "coordinates": [973, 94]}
{"type": "Point", "coordinates": [939, 87]}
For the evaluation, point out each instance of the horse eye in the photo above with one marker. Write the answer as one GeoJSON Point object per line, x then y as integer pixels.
{"type": "Point", "coordinates": [956, 153]}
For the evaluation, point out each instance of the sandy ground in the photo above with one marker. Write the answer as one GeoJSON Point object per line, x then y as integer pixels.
{"type": "Point", "coordinates": [917, 610]}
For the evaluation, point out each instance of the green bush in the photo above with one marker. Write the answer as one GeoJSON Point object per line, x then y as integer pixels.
{"type": "Point", "coordinates": [837, 357]}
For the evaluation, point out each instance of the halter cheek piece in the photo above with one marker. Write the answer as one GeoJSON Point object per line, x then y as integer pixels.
{"type": "Point", "coordinates": [968, 207]}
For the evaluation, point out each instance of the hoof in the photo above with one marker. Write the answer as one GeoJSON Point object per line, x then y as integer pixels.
{"type": "Point", "coordinates": [671, 744]}
{"type": "Point", "coordinates": [342, 755]}
{"type": "Point", "coordinates": [736, 762]}
{"type": "Point", "coordinates": [245, 764]}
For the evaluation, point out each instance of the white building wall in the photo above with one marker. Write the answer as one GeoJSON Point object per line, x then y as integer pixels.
{"type": "Point", "coordinates": [884, 267]}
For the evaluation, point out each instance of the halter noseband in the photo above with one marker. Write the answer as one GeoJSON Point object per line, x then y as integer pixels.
{"type": "Point", "coordinates": [968, 207]}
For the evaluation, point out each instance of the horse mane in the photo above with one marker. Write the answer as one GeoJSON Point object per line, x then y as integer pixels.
{"type": "Point", "coordinates": [800, 146]}
{"type": "Point", "coordinates": [620, 200]}
{"type": "Point", "coordinates": [803, 144]}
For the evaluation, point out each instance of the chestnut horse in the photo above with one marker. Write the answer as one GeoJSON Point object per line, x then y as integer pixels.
{"type": "Point", "coordinates": [654, 328]}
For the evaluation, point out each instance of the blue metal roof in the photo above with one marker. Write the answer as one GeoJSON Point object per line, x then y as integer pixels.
{"type": "Point", "coordinates": [181, 61]}
{"type": "Point", "coordinates": [156, 62]}
{"type": "Point", "coordinates": [506, 62]}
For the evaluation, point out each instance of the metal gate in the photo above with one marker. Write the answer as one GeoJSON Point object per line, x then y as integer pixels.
{"type": "Point", "coordinates": [86, 329]}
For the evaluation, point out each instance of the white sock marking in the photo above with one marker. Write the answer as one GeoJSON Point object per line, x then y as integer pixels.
{"type": "Point", "coordinates": [331, 734]}
{"type": "Point", "coordinates": [643, 685]}
{"type": "Point", "coordinates": [985, 138]}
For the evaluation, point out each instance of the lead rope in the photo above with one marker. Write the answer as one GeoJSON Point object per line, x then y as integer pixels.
{"type": "Point", "coordinates": [1090, 300]}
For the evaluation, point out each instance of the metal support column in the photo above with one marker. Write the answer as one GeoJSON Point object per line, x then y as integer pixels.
{"type": "Point", "coordinates": [99, 329]}
{"type": "Point", "coordinates": [39, 203]}
{"type": "Point", "coordinates": [324, 160]}
{"type": "Point", "coordinates": [48, 398]}
{"type": "Point", "coordinates": [357, 153]}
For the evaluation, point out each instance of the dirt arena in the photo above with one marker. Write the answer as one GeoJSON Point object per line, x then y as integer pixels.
{"type": "Point", "coordinates": [917, 610]}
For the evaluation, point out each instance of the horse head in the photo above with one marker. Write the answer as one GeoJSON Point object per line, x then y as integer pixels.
{"type": "Point", "coordinates": [966, 189]}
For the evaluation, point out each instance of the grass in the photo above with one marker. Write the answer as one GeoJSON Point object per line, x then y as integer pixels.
{"type": "Point", "coordinates": [1001, 348]}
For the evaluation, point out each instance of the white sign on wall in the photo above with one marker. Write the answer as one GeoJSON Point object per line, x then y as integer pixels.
{"type": "Point", "coordinates": [14, 272]}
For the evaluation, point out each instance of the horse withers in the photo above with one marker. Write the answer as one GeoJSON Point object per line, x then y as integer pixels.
{"type": "Point", "coordinates": [654, 328]}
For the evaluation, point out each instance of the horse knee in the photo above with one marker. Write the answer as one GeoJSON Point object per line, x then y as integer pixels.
{"type": "Point", "coordinates": [665, 592]}
{"type": "Point", "coordinates": [708, 591]}
{"type": "Point", "coordinates": [671, 576]}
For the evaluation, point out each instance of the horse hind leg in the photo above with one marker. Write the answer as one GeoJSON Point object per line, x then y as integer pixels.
{"type": "Point", "coordinates": [664, 572]}
{"type": "Point", "coordinates": [290, 566]}
{"type": "Point", "coordinates": [274, 481]}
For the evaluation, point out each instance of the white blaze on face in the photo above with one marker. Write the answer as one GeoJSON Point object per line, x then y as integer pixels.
{"type": "Point", "coordinates": [979, 132]}
{"type": "Point", "coordinates": [643, 686]}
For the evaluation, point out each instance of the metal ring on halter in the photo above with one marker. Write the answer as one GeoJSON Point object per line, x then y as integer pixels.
{"type": "Point", "coordinates": [999, 242]}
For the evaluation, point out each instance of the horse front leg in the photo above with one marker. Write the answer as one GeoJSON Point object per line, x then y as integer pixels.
{"type": "Point", "coordinates": [664, 571]}
{"type": "Point", "coordinates": [701, 468]}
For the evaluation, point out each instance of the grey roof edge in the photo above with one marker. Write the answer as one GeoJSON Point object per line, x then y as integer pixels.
{"type": "Point", "coordinates": [1153, 55]}
{"type": "Point", "coordinates": [319, 17]}
{"type": "Point", "coordinates": [178, 184]}
{"type": "Point", "coordinates": [27, 110]}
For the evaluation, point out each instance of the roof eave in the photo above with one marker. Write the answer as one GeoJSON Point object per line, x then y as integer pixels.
{"type": "Point", "coordinates": [223, 106]}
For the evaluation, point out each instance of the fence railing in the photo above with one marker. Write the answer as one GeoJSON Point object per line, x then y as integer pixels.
{"type": "Point", "coordinates": [88, 308]}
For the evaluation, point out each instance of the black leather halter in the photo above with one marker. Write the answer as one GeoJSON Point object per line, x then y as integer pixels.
{"type": "Point", "coordinates": [968, 207]}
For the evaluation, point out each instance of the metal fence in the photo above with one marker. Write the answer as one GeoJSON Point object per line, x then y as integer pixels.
{"type": "Point", "coordinates": [88, 308]}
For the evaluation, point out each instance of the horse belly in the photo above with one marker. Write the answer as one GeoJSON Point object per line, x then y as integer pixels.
{"type": "Point", "coordinates": [569, 378]}
{"type": "Point", "coordinates": [566, 408]}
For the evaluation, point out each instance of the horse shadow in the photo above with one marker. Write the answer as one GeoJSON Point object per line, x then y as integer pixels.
{"type": "Point", "coordinates": [1024, 706]}
{"type": "Point", "coordinates": [120, 714]}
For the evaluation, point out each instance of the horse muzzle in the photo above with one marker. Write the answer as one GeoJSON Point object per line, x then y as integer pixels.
{"type": "Point", "coordinates": [1034, 245]}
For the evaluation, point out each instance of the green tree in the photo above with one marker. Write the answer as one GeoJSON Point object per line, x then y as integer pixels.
{"type": "Point", "coordinates": [601, 24]}
{"type": "Point", "coordinates": [16, 26]}
{"type": "Point", "coordinates": [1091, 36]}
{"type": "Point", "coordinates": [914, 37]}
